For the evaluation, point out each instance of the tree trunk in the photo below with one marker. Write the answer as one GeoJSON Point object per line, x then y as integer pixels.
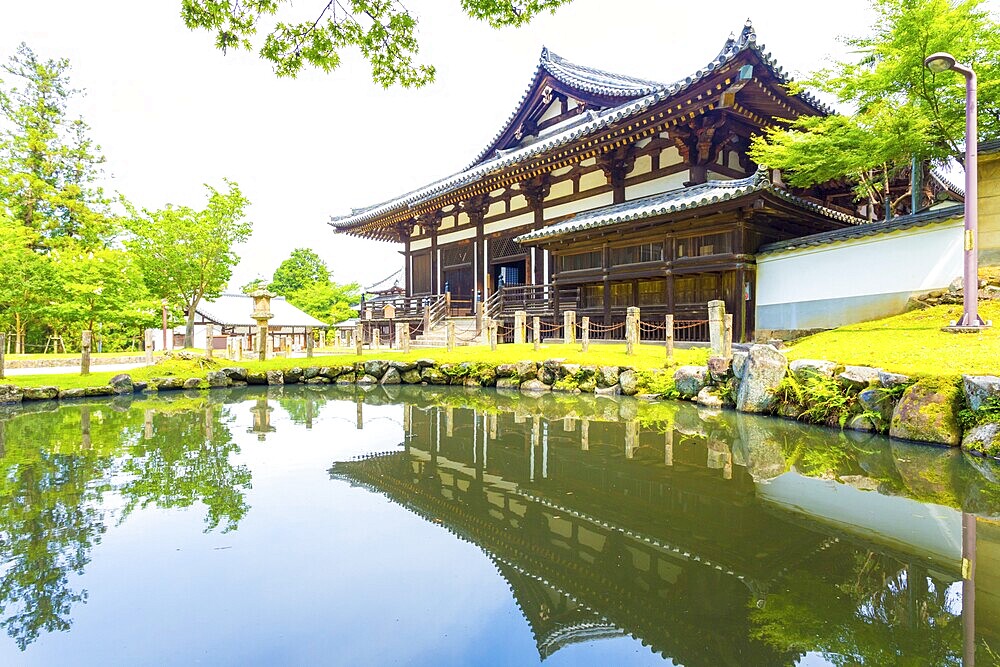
{"type": "Point", "coordinates": [189, 325]}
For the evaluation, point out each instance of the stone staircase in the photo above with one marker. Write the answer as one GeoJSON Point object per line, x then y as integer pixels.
{"type": "Point", "coordinates": [465, 331]}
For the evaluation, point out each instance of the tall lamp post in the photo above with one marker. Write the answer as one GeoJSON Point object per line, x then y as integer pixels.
{"type": "Point", "coordinates": [942, 62]}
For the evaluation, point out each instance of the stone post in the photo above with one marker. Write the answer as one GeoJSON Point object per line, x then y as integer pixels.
{"type": "Point", "coordinates": [3, 351]}
{"type": "Point", "coordinates": [404, 337]}
{"type": "Point", "coordinates": [85, 352]}
{"type": "Point", "coordinates": [322, 338]}
{"type": "Point", "coordinates": [480, 313]}
{"type": "Point", "coordinates": [376, 338]}
{"type": "Point", "coordinates": [239, 349]}
{"type": "Point", "coordinates": [493, 334]}
{"type": "Point", "coordinates": [536, 327]}
{"type": "Point", "coordinates": [631, 329]}
{"type": "Point", "coordinates": [569, 327]}
{"type": "Point", "coordinates": [451, 335]}
{"type": "Point", "coordinates": [727, 339]}
{"type": "Point", "coordinates": [668, 333]}
{"type": "Point", "coordinates": [309, 342]}
{"type": "Point", "coordinates": [586, 333]}
{"type": "Point", "coordinates": [148, 347]}
{"type": "Point", "coordinates": [269, 345]}
{"type": "Point", "coordinates": [520, 325]}
{"type": "Point", "coordinates": [359, 338]}
{"type": "Point", "coordinates": [716, 326]}
{"type": "Point", "coordinates": [209, 340]}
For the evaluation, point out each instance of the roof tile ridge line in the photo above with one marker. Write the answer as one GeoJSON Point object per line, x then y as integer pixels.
{"type": "Point", "coordinates": [564, 64]}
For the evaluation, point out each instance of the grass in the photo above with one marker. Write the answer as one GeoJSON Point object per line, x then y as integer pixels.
{"type": "Point", "coordinates": [72, 355]}
{"type": "Point", "coordinates": [646, 358]}
{"type": "Point", "coordinates": [911, 343]}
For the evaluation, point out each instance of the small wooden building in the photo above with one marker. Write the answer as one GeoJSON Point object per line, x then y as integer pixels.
{"type": "Point", "coordinates": [230, 317]}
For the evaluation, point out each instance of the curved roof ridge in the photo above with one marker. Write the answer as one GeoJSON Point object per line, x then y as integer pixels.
{"type": "Point", "coordinates": [596, 80]}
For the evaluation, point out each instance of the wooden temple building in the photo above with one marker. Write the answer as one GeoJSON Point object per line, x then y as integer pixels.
{"type": "Point", "coordinates": [605, 191]}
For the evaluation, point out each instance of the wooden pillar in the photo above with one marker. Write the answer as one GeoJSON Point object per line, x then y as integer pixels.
{"type": "Point", "coordinates": [740, 316]}
{"type": "Point", "coordinates": [535, 191]}
{"type": "Point", "coordinates": [431, 223]}
{"type": "Point", "coordinates": [85, 352]}
{"type": "Point", "coordinates": [605, 258]}
{"type": "Point", "coordinates": [477, 219]}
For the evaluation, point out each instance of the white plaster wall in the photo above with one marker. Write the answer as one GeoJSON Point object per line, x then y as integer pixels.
{"type": "Point", "coordinates": [656, 186]}
{"type": "Point", "coordinates": [460, 235]}
{"type": "Point", "coordinates": [509, 223]}
{"type": "Point", "coordinates": [857, 280]}
{"type": "Point", "coordinates": [420, 245]}
{"type": "Point", "coordinates": [579, 205]}
{"type": "Point", "coordinates": [447, 222]}
{"type": "Point", "coordinates": [463, 218]}
{"type": "Point", "coordinates": [551, 112]}
{"type": "Point", "coordinates": [496, 208]}
{"type": "Point", "coordinates": [670, 156]}
{"type": "Point", "coordinates": [560, 189]}
{"type": "Point", "coordinates": [518, 202]}
{"type": "Point", "coordinates": [643, 165]}
{"type": "Point", "coordinates": [592, 179]}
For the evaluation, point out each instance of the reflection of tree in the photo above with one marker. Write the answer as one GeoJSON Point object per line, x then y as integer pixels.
{"type": "Point", "coordinates": [303, 408]}
{"type": "Point", "coordinates": [50, 514]}
{"type": "Point", "coordinates": [862, 608]}
{"type": "Point", "coordinates": [187, 460]}
{"type": "Point", "coordinates": [56, 468]}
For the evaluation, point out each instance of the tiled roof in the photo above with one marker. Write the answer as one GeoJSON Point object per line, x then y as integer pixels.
{"type": "Point", "coordinates": [866, 229]}
{"type": "Point", "coordinates": [589, 79]}
{"type": "Point", "coordinates": [235, 310]}
{"type": "Point", "coordinates": [991, 146]}
{"type": "Point", "coordinates": [684, 199]}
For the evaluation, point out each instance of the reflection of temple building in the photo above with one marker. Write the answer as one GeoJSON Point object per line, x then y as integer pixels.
{"type": "Point", "coordinates": [663, 539]}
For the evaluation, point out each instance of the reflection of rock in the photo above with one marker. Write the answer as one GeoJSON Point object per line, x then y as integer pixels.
{"type": "Point", "coordinates": [765, 369]}
{"type": "Point", "coordinates": [928, 473]}
{"type": "Point", "coordinates": [508, 384]}
{"type": "Point", "coordinates": [764, 458]}
{"type": "Point", "coordinates": [927, 412]}
{"type": "Point", "coordinates": [613, 390]}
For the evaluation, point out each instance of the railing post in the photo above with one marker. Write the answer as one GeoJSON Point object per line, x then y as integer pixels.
{"type": "Point", "coordinates": [493, 334]}
{"type": "Point", "coordinates": [569, 327]}
{"type": "Point", "coordinates": [85, 352]}
{"type": "Point", "coordinates": [536, 325]}
{"type": "Point", "coordinates": [148, 346]}
{"type": "Point", "coordinates": [3, 351]}
{"type": "Point", "coordinates": [520, 325]}
{"type": "Point", "coordinates": [359, 338]}
{"type": "Point", "coordinates": [427, 317]}
{"type": "Point", "coordinates": [631, 329]}
{"type": "Point", "coordinates": [727, 339]}
{"type": "Point", "coordinates": [209, 336]}
{"type": "Point", "coordinates": [447, 304]}
{"type": "Point", "coordinates": [404, 337]}
{"type": "Point", "coordinates": [586, 333]}
{"type": "Point", "coordinates": [480, 309]}
{"type": "Point", "coordinates": [669, 335]}
{"type": "Point", "coordinates": [716, 325]}
{"type": "Point", "coordinates": [451, 335]}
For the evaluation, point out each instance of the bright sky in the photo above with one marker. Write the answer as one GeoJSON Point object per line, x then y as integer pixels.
{"type": "Point", "coordinates": [172, 113]}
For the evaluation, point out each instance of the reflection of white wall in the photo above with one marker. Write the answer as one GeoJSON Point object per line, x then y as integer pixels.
{"type": "Point", "coordinates": [902, 523]}
{"type": "Point", "coordinates": [855, 280]}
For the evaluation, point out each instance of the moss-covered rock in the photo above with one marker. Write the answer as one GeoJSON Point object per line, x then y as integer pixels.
{"type": "Point", "coordinates": [253, 377]}
{"type": "Point", "coordinates": [345, 378]}
{"type": "Point", "coordinates": [10, 394]}
{"type": "Point", "coordinates": [391, 376]}
{"type": "Point", "coordinates": [432, 375]}
{"type": "Point", "coordinates": [535, 386]}
{"type": "Point", "coordinates": [508, 384]}
{"type": "Point", "coordinates": [763, 372]}
{"type": "Point", "coordinates": [629, 382]}
{"type": "Point", "coordinates": [928, 412]}
{"type": "Point", "coordinates": [411, 376]}
{"type": "Point", "coordinates": [275, 378]}
{"type": "Point", "coordinates": [689, 380]}
{"type": "Point", "coordinates": [41, 393]}
{"type": "Point", "coordinates": [983, 439]}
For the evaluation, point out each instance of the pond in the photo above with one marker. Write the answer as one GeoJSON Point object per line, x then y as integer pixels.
{"type": "Point", "coordinates": [436, 526]}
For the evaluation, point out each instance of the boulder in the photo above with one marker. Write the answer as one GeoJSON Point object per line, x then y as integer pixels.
{"type": "Point", "coordinates": [978, 388]}
{"type": "Point", "coordinates": [613, 390]}
{"type": "Point", "coordinates": [566, 370]}
{"type": "Point", "coordinates": [928, 412]}
{"type": "Point", "coordinates": [806, 369]}
{"type": "Point", "coordinates": [293, 375]}
{"type": "Point", "coordinates": [163, 384]}
{"type": "Point", "coordinates": [10, 394]}
{"type": "Point", "coordinates": [329, 372]}
{"type": "Point", "coordinates": [367, 380]}
{"type": "Point", "coordinates": [257, 377]}
{"type": "Point", "coordinates": [889, 380]}
{"type": "Point", "coordinates": [121, 384]}
{"type": "Point", "coordinates": [535, 386]}
{"type": "Point", "coordinates": [858, 377]}
{"type": "Point", "coordinates": [38, 393]}
{"type": "Point", "coordinates": [983, 439]}
{"type": "Point", "coordinates": [218, 379]}
{"type": "Point", "coordinates": [487, 376]}
{"type": "Point", "coordinates": [689, 380]}
{"type": "Point", "coordinates": [607, 376]}
{"type": "Point", "coordinates": [318, 380]}
{"type": "Point", "coordinates": [376, 367]}
{"type": "Point", "coordinates": [879, 402]}
{"type": "Point", "coordinates": [345, 378]}
{"type": "Point", "coordinates": [391, 376]}
{"type": "Point", "coordinates": [96, 391]}
{"type": "Point", "coordinates": [709, 397]}
{"type": "Point", "coordinates": [425, 363]}
{"type": "Point", "coordinates": [525, 370]}
{"type": "Point", "coordinates": [403, 366]}
{"type": "Point", "coordinates": [719, 368]}
{"type": "Point", "coordinates": [309, 373]}
{"type": "Point", "coordinates": [471, 381]}
{"type": "Point", "coordinates": [547, 374]}
{"type": "Point", "coordinates": [411, 376]}
{"type": "Point", "coordinates": [432, 375]}
{"type": "Point", "coordinates": [764, 370]}
{"type": "Point", "coordinates": [275, 378]}
{"type": "Point", "coordinates": [739, 362]}
{"type": "Point", "coordinates": [192, 383]}
{"type": "Point", "coordinates": [506, 370]}
{"type": "Point", "coordinates": [235, 373]}
{"type": "Point", "coordinates": [508, 384]}
{"type": "Point", "coordinates": [860, 423]}
{"type": "Point", "coordinates": [73, 393]}
{"type": "Point", "coordinates": [138, 385]}
{"type": "Point", "coordinates": [629, 382]}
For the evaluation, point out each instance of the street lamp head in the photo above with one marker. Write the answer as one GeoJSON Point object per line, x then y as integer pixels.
{"type": "Point", "coordinates": [940, 62]}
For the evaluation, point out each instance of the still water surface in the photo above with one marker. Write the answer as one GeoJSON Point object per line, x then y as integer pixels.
{"type": "Point", "coordinates": [426, 526]}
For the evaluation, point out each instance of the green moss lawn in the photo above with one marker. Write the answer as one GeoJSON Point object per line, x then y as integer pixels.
{"type": "Point", "coordinates": [911, 343]}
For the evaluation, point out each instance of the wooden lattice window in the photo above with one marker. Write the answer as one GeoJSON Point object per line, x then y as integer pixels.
{"type": "Point", "coordinates": [456, 255]}
{"type": "Point", "coordinates": [506, 247]}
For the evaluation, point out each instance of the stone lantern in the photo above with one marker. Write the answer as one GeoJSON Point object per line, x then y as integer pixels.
{"type": "Point", "coordinates": [262, 313]}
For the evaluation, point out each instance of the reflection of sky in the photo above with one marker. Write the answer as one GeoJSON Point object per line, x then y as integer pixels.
{"type": "Point", "coordinates": [318, 572]}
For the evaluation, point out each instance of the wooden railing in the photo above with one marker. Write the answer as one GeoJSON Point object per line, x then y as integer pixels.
{"type": "Point", "coordinates": [538, 298]}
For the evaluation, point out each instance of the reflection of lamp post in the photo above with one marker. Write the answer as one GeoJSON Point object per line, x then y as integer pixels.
{"type": "Point", "coordinates": [261, 314]}
{"type": "Point", "coordinates": [261, 419]}
{"type": "Point", "coordinates": [942, 62]}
